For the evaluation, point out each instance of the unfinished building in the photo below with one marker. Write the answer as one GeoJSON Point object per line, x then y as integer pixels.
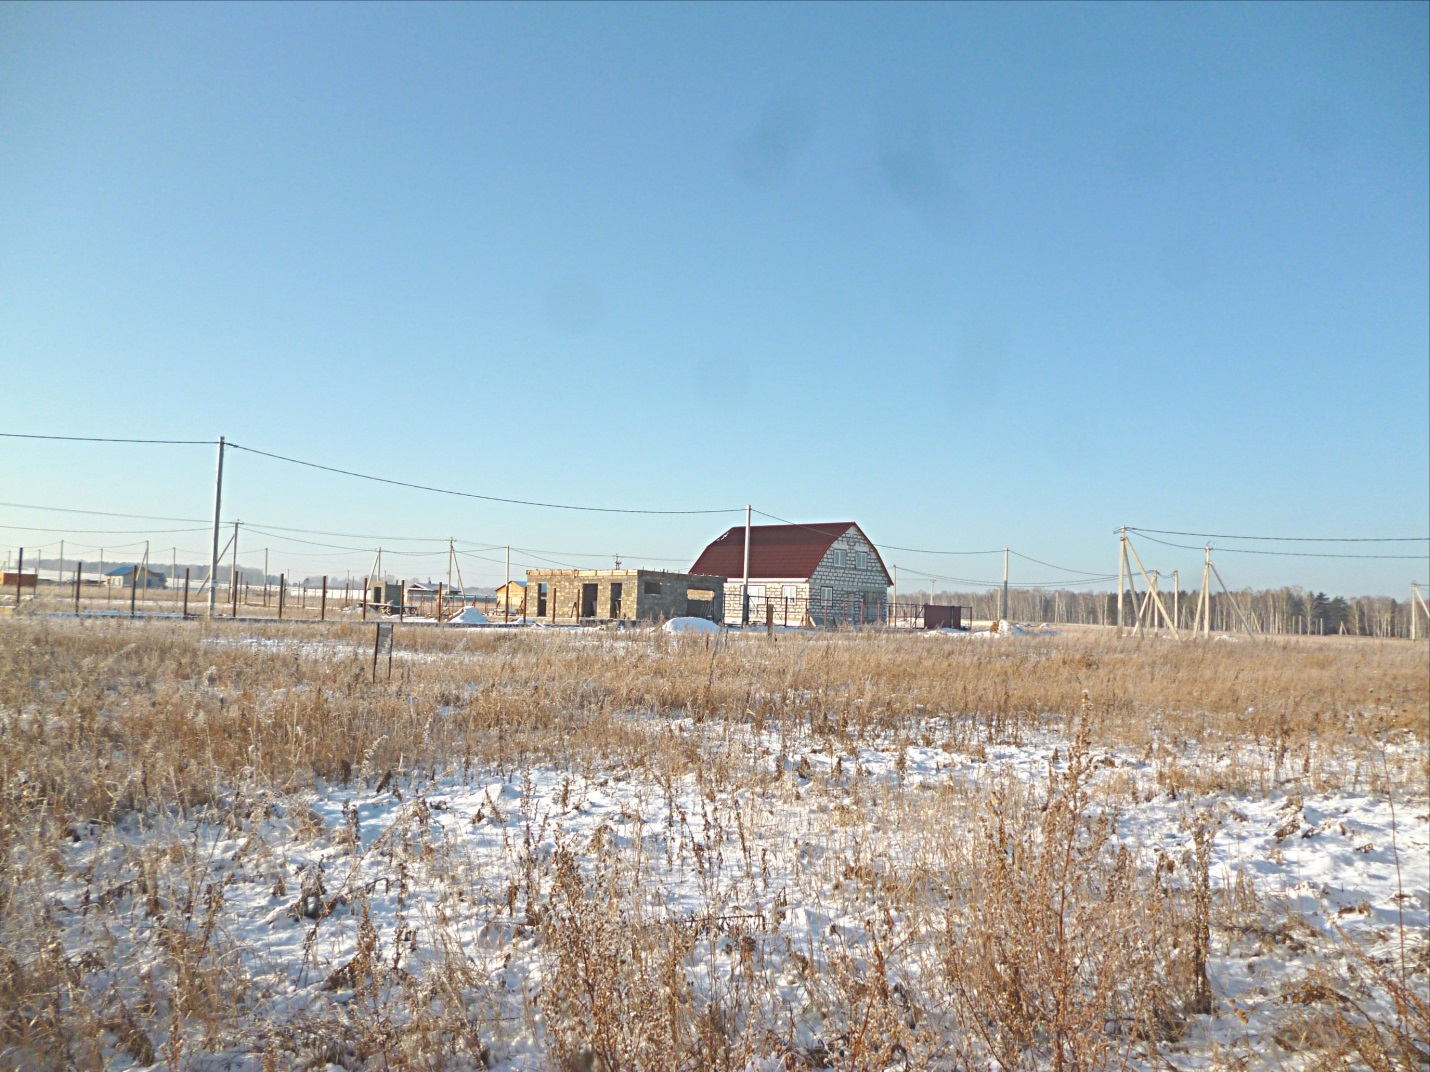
{"type": "Point", "coordinates": [628, 595]}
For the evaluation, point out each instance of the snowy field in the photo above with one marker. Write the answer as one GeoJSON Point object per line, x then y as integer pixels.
{"type": "Point", "coordinates": [754, 853]}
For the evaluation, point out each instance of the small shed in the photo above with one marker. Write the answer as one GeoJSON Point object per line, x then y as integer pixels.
{"type": "Point", "coordinates": [386, 595]}
{"type": "Point", "coordinates": [941, 616]}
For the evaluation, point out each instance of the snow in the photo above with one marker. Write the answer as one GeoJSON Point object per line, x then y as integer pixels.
{"type": "Point", "coordinates": [440, 853]}
{"type": "Point", "coordinates": [461, 841]}
{"type": "Point", "coordinates": [691, 625]}
{"type": "Point", "coordinates": [470, 616]}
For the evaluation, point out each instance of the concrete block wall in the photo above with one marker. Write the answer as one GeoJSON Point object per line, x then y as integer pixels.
{"type": "Point", "coordinates": [646, 595]}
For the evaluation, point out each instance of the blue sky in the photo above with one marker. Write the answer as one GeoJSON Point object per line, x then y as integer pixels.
{"type": "Point", "coordinates": [970, 275]}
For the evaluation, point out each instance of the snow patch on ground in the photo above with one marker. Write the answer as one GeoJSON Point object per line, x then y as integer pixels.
{"type": "Point", "coordinates": [470, 616]}
{"type": "Point", "coordinates": [439, 862]}
{"type": "Point", "coordinates": [691, 625]}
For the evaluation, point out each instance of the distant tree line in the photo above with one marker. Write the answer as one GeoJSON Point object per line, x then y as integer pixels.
{"type": "Point", "coordinates": [1288, 610]}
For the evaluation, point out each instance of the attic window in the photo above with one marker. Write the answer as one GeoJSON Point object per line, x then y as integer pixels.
{"type": "Point", "coordinates": [863, 559]}
{"type": "Point", "coordinates": [841, 557]}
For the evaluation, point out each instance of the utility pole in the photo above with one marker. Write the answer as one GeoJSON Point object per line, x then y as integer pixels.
{"type": "Point", "coordinates": [1176, 599]}
{"type": "Point", "coordinates": [61, 575]}
{"type": "Point", "coordinates": [1004, 615]}
{"type": "Point", "coordinates": [218, 505]}
{"type": "Point", "coordinates": [1204, 598]}
{"type": "Point", "coordinates": [506, 590]}
{"type": "Point", "coordinates": [895, 607]}
{"type": "Point", "coordinates": [745, 584]}
{"type": "Point", "coordinates": [1121, 575]}
{"type": "Point", "coordinates": [233, 572]}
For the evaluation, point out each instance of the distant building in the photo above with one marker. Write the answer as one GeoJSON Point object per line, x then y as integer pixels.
{"type": "Point", "coordinates": [820, 575]}
{"type": "Point", "coordinates": [621, 595]}
{"type": "Point", "coordinates": [385, 594]}
{"type": "Point", "coordinates": [135, 576]}
{"type": "Point", "coordinates": [422, 598]}
{"type": "Point", "coordinates": [511, 598]}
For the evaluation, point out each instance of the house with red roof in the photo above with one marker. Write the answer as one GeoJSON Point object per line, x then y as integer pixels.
{"type": "Point", "coordinates": [817, 575]}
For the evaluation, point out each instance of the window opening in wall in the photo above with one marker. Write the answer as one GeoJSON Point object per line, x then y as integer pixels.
{"type": "Point", "coordinates": [863, 559]}
{"type": "Point", "coordinates": [588, 600]}
{"type": "Point", "coordinates": [651, 588]}
{"type": "Point", "coordinates": [615, 600]}
{"type": "Point", "coordinates": [541, 592]}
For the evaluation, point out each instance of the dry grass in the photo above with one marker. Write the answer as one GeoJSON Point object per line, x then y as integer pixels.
{"type": "Point", "coordinates": [991, 920]}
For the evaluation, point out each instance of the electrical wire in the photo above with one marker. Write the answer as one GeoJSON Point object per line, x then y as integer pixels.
{"type": "Point", "coordinates": [824, 531]}
{"type": "Point", "coordinates": [334, 546]}
{"type": "Point", "coordinates": [1023, 585]}
{"type": "Point", "coordinates": [471, 494]}
{"type": "Point", "coordinates": [1290, 539]}
{"type": "Point", "coordinates": [1065, 569]}
{"type": "Point", "coordinates": [116, 532]}
{"type": "Point", "coordinates": [1280, 554]}
{"type": "Point", "coordinates": [925, 551]}
{"type": "Point", "coordinates": [260, 526]}
{"type": "Point", "coordinates": [105, 439]}
{"type": "Point", "coordinates": [103, 513]}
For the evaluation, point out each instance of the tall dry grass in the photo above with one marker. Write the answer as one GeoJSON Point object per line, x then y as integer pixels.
{"type": "Point", "coordinates": [993, 918]}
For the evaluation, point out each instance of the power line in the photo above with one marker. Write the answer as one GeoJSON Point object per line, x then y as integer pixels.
{"type": "Point", "coordinates": [1065, 569]}
{"type": "Point", "coordinates": [102, 513]}
{"type": "Point", "coordinates": [471, 494]}
{"type": "Point", "coordinates": [278, 530]}
{"type": "Point", "coordinates": [1290, 539]}
{"type": "Point", "coordinates": [598, 554]}
{"type": "Point", "coordinates": [925, 551]}
{"type": "Point", "coordinates": [823, 531]}
{"type": "Point", "coordinates": [1278, 554]}
{"type": "Point", "coordinates": [998, 584]}
{"type": "Point", "coordinates": [102, 532]}
{"type": "Point", "coordinates": [549, 561]}
{"type": "Point", "coordinates": [105, 439]}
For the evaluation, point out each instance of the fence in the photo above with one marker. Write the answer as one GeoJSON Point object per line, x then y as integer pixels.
{"type": "Point", "coordinates": [1272, 611]}
{"type": "Point", "coordinates": [83, 588]}
{"type": "Point", "coordinates": [835, 612]}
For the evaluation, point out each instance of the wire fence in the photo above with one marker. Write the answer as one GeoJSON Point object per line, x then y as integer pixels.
{"type": "Point", "coordinates": [104, 587]}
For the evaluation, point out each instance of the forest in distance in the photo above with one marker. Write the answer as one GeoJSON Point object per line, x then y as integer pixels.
{"type": "Point", "coordinates": [1288, 610]}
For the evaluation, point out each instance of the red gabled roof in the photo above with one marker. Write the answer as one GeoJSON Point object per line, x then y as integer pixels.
{"type": "Point", "coordinates": [776, 551]}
